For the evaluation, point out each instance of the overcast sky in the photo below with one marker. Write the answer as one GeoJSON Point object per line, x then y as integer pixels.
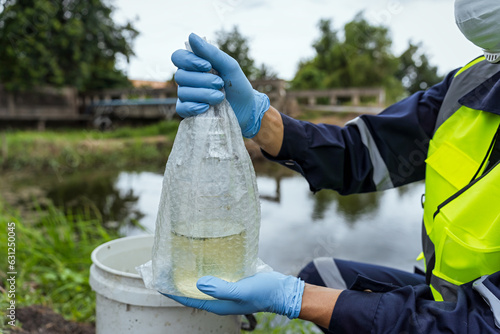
{"type": "Point", "coordinates": [281, 32]}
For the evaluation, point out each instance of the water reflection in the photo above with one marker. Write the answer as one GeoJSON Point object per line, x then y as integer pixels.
{"type": "Point", "coordinates": [352, 207]}
{"type": "Point", "coordinates": [102, 194]}
{"type": "Point", "coordinates": [277, 194]}
{"type": "Point", "coordinates": [385, 230]}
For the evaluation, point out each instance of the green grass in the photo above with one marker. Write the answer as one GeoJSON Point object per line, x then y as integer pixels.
{"type": "Point", "coordinates": [165, 128]}
{"type": "Point", "coordinates": [53, 260]}
{"type": "Point", "coordinates": [72, 150]}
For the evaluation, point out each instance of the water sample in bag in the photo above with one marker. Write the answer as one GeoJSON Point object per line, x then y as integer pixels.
{"type": "Point", "coordinates": [209, 215]}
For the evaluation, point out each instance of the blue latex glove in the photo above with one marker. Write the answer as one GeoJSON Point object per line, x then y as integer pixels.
{"type": "Point", "coordinates": [199, 89]}
{"type": "Point", "coordinates": [262, 292]}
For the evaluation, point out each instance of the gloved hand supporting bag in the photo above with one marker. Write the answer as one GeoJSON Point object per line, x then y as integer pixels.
{"type": "Point", "coordinates": [209, 215]}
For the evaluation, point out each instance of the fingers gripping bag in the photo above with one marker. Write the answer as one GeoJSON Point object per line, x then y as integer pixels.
{"type": "Point", "coordinates": [209, 214]}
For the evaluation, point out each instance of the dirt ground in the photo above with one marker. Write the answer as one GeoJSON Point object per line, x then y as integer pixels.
{"type": "Point", "coordinates": [37, 319]}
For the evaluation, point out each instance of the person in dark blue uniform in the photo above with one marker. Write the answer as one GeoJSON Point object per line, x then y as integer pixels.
{"type": "Point", "coordinates": [447, 135]}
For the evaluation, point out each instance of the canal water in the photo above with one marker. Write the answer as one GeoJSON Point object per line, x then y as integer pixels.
{"type": "Point", "coordinates": [382, 228]}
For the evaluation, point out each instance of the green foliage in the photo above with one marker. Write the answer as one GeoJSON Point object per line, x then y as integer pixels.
{"type": "Point", "coordinates": [165, 128]}
{"type": "Point", "coordinates": [362, 58]}
{"type": "Point", "coordinates": [415, 70]}
{"type": "Point", "coordinates": [309, 76]}
{"type": "Point", "coordinates": [237, 46]}
{"type": "Point", "coordinates": [62, 43]}
{"type": "Point", "coordinates": [53, 260]}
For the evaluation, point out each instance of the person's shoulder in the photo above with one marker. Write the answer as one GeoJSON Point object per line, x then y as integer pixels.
{"type": "Point", "coordinates": [484, 79]}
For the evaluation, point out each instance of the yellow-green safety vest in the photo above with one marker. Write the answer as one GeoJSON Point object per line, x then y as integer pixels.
{"type": "Point", "coordinates": [462, 197]}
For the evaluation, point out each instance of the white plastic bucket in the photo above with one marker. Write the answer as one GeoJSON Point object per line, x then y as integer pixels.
{"type": "Point", "coordinates": [124, 305]}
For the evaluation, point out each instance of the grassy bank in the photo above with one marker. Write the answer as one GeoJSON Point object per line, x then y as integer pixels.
{"type": "Point", "coordinates": [52, 260]}
{"type": "Point", "coordinates": [70, 150]}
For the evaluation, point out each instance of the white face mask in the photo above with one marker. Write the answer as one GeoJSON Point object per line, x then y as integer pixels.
{"type": "Point", "coordinates": [479, 21]}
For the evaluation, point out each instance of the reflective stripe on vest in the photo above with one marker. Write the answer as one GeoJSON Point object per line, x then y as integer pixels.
{"type": "Point", "coordinates": [461, 217]}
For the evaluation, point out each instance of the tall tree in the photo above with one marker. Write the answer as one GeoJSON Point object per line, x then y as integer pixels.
{"type": "Point", "coordinates": [62, 42]}
{"type": "Point", "coordinates": [325, 45]}
{"type": "Point", "coordinates": [362, 58]}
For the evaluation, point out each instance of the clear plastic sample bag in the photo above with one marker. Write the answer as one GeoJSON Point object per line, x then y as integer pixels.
{"type": "Point", "coordinates": [209, 215]}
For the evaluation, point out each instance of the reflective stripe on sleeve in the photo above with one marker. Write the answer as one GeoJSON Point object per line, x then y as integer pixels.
{"type": "Point", "coordinates": [489, 298]}
{"type": "Point", "coordinates": [329, 273]}
{"type": "Point", "coordinates": [381, 177]}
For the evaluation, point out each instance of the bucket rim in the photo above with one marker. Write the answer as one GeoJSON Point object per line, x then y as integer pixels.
{"type": "Point", "coordinates": [105, 268]}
